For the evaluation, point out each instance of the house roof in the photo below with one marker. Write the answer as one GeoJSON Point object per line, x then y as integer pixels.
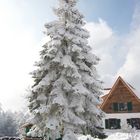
{"type": "Point", "coordinates": [127, 85]}
{"type": "Point", "coordinates": [27, 124]}
{"type": "Point", "coordinates": [104, 97]}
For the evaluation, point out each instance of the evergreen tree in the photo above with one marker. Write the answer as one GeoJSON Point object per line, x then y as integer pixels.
{"type": "Point", "coordinates": [8, 125]}
{"type": "Point", "coordinates": [67, 89]}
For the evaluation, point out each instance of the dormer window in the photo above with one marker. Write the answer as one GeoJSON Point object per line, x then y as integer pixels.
{"type": "Point", "coordinates": [122, 106]}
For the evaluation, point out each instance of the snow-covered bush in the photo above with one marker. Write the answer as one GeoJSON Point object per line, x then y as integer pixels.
{"type": "Point", "coordinates": [127, 128]}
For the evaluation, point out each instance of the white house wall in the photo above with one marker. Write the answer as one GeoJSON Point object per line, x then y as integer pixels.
{"type": "Point", "coordinates": [122, 116]}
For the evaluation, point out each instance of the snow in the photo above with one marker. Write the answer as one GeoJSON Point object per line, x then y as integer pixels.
{"type": "Point", "coordinates": [66, 88]}
{"type": "Point", "coordinates": [115, 136]}
{"type": "Point", "coordinates": [67, 62]}
{"type": "Point", "coordinates": [79, 88]}
{"type": "Point", "coordinates": [41, 97]}
{"type": "Point", "coordinates": [9, 138]}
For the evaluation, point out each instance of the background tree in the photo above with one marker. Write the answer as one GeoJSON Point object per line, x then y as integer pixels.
{"type": "Point", "coordinates": [8, 125]}
{"type": "Point", "coordinates": [67, 89]}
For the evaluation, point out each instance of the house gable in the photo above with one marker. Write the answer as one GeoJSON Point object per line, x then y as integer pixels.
{"type": "Point", "coordinates": [121, 99]}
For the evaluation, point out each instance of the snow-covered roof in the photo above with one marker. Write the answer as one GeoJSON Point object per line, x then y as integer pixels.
{"type": "Point", "coordinates": [26, 125]}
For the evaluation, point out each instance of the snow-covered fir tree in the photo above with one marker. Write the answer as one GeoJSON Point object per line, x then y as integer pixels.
{"type": "Point", "coordinates": [66, 91]}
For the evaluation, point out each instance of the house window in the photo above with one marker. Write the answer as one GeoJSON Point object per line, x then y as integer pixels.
{"type": "Point", "coordinates": [112, 124]}
{"type": "Point", "coordinates": [134, 122]}
{"type": "Point", "coordinates": [122, 106]}
{"type": "Point", "coordinates": [115, 106]}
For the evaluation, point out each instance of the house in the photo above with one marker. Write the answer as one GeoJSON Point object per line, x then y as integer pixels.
{"type": "Point", "coordinates": [24, 129]}
{"type": "Point", "coordinates": [121, 105]}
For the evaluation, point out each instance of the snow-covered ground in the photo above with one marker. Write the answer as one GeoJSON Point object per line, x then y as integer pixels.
{"type": "Point", "coordinates": [115, 136]}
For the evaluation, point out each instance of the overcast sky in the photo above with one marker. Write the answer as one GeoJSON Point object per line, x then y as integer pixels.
{"type": "Point", "coordinates": [114, 27]}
